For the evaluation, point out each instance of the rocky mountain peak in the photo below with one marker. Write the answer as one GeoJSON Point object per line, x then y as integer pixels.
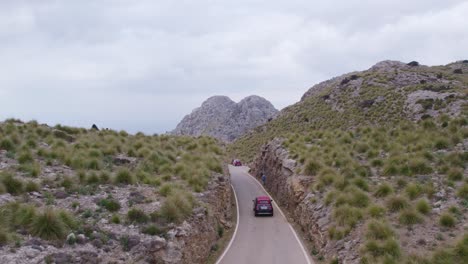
{"type": "Point", "coordinates": [222, 118]}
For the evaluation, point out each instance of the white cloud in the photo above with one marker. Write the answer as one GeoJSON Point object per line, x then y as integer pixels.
{"type": "Point", "coordinates": [143, 65]}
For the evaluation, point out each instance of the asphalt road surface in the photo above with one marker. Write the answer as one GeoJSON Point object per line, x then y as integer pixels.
{"type": "Point", "coordinates": [258, 240]}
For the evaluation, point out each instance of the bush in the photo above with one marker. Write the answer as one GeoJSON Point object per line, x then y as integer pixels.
{"type": "Point", "coordinates": [441, 143]}
{"type": "Point", "coordinates": [389, 248]}
{"type": "Point", "coordinates": [413, 190]}
{"type": "Point", "coordinates": [32, 187]}
{"type": "Point", "coordinates": [418, 166]}
{"type": "Point", "coordinates": [152, 230]}
{"type": "Point", "coordinates": [124, 177]}
{"type": "Point", "coordinates": [48, 226]}
{"type": "Point", "coordinates": [177, 207]}
{"type": "Point", "coordinates": [110, 204]}
{"type": "Point", "coordinates": [346, 215]}
{"type": "Point", "coordinates": [3, 238]}
{"type": "Point", "coordinates": [362, 184]}
{"type": "Point", "coordinates": [25, 157]}
{"type": "Point", "coordinates": [166, 189]}
{"type": "Point", "coordinates": [423, 206]}
{"type": "Point", "coordinates": [462, 192]}
{"type": "Point", "coordinates": [137, 215]}
{"type": "Point", "coordinates": [378, 230]}
{"type": "Point", "coordinates": [12, 185]}
{"type": "Point", "coordinates": [446, 220]}
{"type": "Point", "coordinates": [383, 190]}
{"type": "Point", "coordinates": [93, 164]}
{"type": "Point", "coordinates": [312, 167]}
{"type": "Point", "coordinates": [409, 217]}
{"type": "Point", "coordinates": [376, 211]}
{"type": "Point", "coordinates": [455, 174]}
{"type": "Point", "coordinates": [115, 219]}
{"type": "Point", "coordinates": [397, 203]}
{"type": "Point", "coordinates": [68, 220]}
{"type": "Point", "coordinates": [7, 144]}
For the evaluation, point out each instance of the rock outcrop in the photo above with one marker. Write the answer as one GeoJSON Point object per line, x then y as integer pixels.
{"type": "Point", "coordinates": [290, 190]}
{"type": "Point", "coordinates": [222, 118]}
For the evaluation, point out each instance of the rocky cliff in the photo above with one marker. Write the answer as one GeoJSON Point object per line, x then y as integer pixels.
{"type": "Point", "coordinates": [224, 119]}
{"type": "Point", "coordinates": [306, 209]}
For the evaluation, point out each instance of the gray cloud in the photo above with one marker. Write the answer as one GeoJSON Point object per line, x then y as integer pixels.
{"type": "Point", "coordinates": [143, 65]}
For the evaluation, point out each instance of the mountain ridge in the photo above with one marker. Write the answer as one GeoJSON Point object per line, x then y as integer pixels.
{"type": "Point", "coordinates": [220, 117]}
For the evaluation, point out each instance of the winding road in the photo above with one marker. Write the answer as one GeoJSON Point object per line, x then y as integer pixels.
{"type": "Point", "coordinates": [260, 240]}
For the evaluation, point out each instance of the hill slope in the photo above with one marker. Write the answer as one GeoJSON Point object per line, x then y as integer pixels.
{"type": "Point", "coordinates": [372, 165]}
{"type": "Point", "coordinates": [385, 94]}
{"type": "Point", "coordinates": [222, 118]}
{"type": "Point", "coordinates": [72, 195]}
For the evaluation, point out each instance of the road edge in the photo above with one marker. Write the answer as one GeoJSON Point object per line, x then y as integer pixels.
{"type": "Point", "coordinates": [235, 230]}
{"type": "Point", "coordinates": [307, 257]}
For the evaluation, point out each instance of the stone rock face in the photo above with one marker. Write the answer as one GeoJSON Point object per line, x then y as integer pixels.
{"type": "Point", "coordinates": [405, 82]}
{"type": "Point", "coordinates": [224, 119]}
{"type": "Point", "coordinates": [290, 190]}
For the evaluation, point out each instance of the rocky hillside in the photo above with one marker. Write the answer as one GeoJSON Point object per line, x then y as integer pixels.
{"type": "Point", "coordinates": [71, 195]}
{"type": "Point", "coordinates": [385, 94]}
{"type": "Point", "coordinates": [224, 119]}
{"type": "Point", "coordinates": [372, 165]}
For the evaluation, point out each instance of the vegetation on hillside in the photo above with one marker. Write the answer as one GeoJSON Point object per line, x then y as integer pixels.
{"type": "Point", "coordinates": [80, 162]}
{"type": "Point", "coordinates": [376, 100]}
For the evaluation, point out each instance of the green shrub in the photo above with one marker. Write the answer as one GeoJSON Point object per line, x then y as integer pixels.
{"type": "Point", "coordinates": [446, 220]}
{"type": "Point", "coordinates": [455, 211]}
{"type": "Point", "coordinates": [166, 189]}
{"type": "Point", "coordinates": [312, 167]}
{"type": "Point", "coordinates": [92, 178]}
{"type": "Point", "coordinates": [441, 143]}
{"type": "Point", "coordinates": [32, 169]}
{"type": "Point", "coordinates": [152, 230]}
{"type": "Point", "coordinates": [23, 216]}
{"type": "Point", "coordinates": [376, 211]}
{"type": "Point", "coordinates": [397, 203]}
{"type": "Point", "coordinates": [377, 163]}
{"type": "Point", "coordinates": [110, 204]}
{"type": "Point", "coordinates": [462, 192]}
{"type": "Point", "coordinates": [409, 217]}
{"type": "Point", "coordinates": [31, 187]}
{"type": "Point", "coordinates": [346, 215]}
{"type": "Point", "coordinates": [389, 248]}
{"type": "Point", "coordinates": [383, 190]}
{"type": "Point", "coordinates": [7, 144]}
{"type": "Point", "coordinates": [68, 220]}
{"type": "Point", "coordinates": [48, 226]}
{"type": "Point", "coordinates": [115, 219]}
{"type": "Point", "coordinates": [423, 206]}
{"type": "Point", "coordinates": [12, 185]}
{"type": "Point", "coordinates": [177, 207]}
{"type": "Point", "coordinates": [25, 157]}
{"type": "Point", "coordinates": [362, 184]}
{"type": "Point", "coordinates": [359, 199]}
{"type": "Point", "coordinates": [93, 164]}
{"type": "Point", "coordinates": [378, 230]}
{"type": "Point", "coordinates": [137, 215]}
{"type": "Point", "coordinates": [3, 238]}
{"type": "Point", "coordinates": [455, 174]}
{"type": "Point", "coordinates": [124, 177]}
{"type": "Point", "coordinates": [413, 190]}
{"type": "Point", "coordinates": [418, 166]}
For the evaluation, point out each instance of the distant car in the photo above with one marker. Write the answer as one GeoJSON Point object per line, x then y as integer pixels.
{"type": "Point", "coordinates": [262, 206]}
{"type": "Point", "coordinates": [236, 162]}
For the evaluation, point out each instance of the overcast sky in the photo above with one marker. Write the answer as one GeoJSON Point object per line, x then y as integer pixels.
{"type": "Point", "coordinates": [143, 65]}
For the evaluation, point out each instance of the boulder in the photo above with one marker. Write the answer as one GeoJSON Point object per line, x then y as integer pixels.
{"type": "Point", "coordinates": [413, 64]}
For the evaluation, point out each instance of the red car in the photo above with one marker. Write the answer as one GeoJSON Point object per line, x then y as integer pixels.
{"type": "Point", "coordinates": [236, 162]}
{"type": "Point", "coordinates": [262, 206]}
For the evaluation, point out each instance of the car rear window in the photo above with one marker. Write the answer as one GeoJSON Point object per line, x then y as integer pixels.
{"type": "Point", "coordinates": [264, 202]}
